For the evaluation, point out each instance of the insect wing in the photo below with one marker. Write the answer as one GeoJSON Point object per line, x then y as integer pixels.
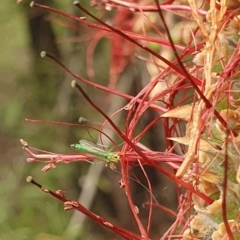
{"type": "Point", "coordinates": [93, 148]}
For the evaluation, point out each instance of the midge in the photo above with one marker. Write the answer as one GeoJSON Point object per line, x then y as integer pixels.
{"type": "Point", "coordinates": [87, 147]}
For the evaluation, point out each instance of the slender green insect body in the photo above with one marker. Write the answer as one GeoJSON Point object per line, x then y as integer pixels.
{"type": "Point", "coordinates": [91, 148]}
{"type": "Point", "coordinates": [107, 156]}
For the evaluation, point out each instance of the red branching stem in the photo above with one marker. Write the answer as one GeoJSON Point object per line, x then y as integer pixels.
{"type": "Point", "coordinates": [165, 209]}
{"type": "Point", "coordinates": [70, 124]}
{"type": "Point", "coordinates": [100, 27]}
{"type": "Point", "coordinates": [172, 229]}
{"type": "Point", "coordinates": [151, 8]}
{"type": "Point", "coordinates": [139, 111]}
{"type": "Point", "coordinates": [151, 199]}
{"type": "Point", "coordinates": [152, 123]}
{"type": "Point", "coordinates": [76, 205]}
{"type": "Point", "coordinates": [124, 168]}
{"type": "Point", "coordinates": [53, 157]}
{"type": "Point", "coordinates": [173, 66]}
{"type": "Point", "coordinates": [131, 157]}
{"type": "Point", "coordinates": [194, 81]}
{"type": "Point", "coordinates": [141, 154]}
{"type": "Point", "coordinates": [188, 76]}
{"type": "Point", "coordinates": [145, 104]}
{"type": "Point", "coordinates": [95, 85]}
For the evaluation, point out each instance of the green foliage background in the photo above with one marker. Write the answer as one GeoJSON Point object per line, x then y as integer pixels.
{"type": "Point", "coordinates": [26, 212]}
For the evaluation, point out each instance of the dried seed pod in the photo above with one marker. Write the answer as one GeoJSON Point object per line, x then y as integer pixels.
{"type": "Point", "coordinates": [233, 27]}
{"type": "Point", "coordinates": [199, 58]}
{"type": "Point", "coordinates": [222, 47]}
{"type": "Point", "coordinates": [231, 117]}
{"type": "Point", "coordinates": [201, 227]}
{"type": "Point", "coordinates": [221, 233]}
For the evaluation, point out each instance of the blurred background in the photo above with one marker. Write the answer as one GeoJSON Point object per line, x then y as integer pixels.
{"type": "Point", "coordinates": [36, 88]}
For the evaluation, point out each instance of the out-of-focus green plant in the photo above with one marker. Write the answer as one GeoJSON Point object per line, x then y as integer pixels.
{"type": "Point", "coordinates": [200, 68]}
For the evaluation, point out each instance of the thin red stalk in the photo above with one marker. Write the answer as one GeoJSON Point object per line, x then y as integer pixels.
{"type": "Point", "coordinates": [143, 106]}
{"type": "Point", "coordinates": [151, 199]}
{"type": "Point", "coordinates": [69, 124]}
{"type": "Point", "coordinates": [100, 27]}
{"type": "Point", "coordinates": [177, 86]}
{"type": "Point", "coordinates": [187, 75]}
{"type": "Point", "coordinates": [135, 116]}
{"type": "Point", "coordinates": [131, 109]}
{"type": "Point", "coordinates": [141, 154]}
{"type": "Point", "coordinates": [152, 123]}
{"type": "Point", "coordinates": [54, 158]}
{"type": "Point", "coordinates": [151, 8]}
{"type": "Point", "coordinates": [180, 218]}
{"type": "Point", "coordinates": [157, 157]}
{"type": "Point", "coordinates": [165, 209]}
{"type": "Point", "coordinates": [90, 52]}
{"type": "Point", "coordinates": [95, 85]}
{"type": "Point", "coordinates": [121, 134]}
{"type": "Point", "coordinates": [75, 205]}
{"type": "Point", "coordinates": [192, 79]}
{"type": "Point", "coordinates": [129, 197]}
{"type": "Point", "coordinates": [143, 91]}
{"type": "Point", "coordinates": [139, 111]}
{"type": "Point", "coordinates": [121, 33]}
{"type": "Point", "coordinates": [129, 156]}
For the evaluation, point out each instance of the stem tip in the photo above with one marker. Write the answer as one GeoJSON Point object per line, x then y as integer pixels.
{"type": "Point", "coordinates": [24, 143]}
{"type": "Point", "coordinates": [73, 83]}
{"type": "Point", "coordinates": [29, 179]}
{"type": "Point", "coordinates": [32, 4]}
{"type": "Point", "coordinates": [43, 54]}
{"type": "Point", "coordinates": [76, 3]}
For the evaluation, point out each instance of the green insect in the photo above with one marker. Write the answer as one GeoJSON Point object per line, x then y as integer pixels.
{"type": "Point", "coordinates": [91, 148]}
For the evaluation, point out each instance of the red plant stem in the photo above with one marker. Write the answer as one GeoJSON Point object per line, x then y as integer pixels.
{"type": "Point", "coordinates": [150, 8]}
{"type": "Point", "coordinates": [100, 27]}
{"type": "Point", "coordinates": [139, 111]}
{"type": "Point", "coordinates": [152, 123]}
{"type": "Point", "coordinates": [139, 152]}
{"type": "Point", "coordinates": [172, 176]}
{"type": "Point", "coordinates": [124, 169]}
{"type": "Point", "coordinates": [125, 138]}
{"type": "Point", "coordinates": [75, 205]}
{"type": "Point", "coordinates": [173, 66]}
{"type": "Point", "coordinates": [206, 101]}
{"type": "Point", "coordinates": [69, 124]}
{"type": "Point", "coordinates": [182, 70]}
{"type": "Point", "coordinates": [165, 209]}
{"type": "Point", "coordinates": [151, 199]}
{"type": "Point", "coordinates": [171, 159]}
{"type": "Point", "coordinates": [54, 158]}
{"type": "Point", "coordinates": [194, 81]}
{"type": "Point", "coordinates": [95, 85]}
